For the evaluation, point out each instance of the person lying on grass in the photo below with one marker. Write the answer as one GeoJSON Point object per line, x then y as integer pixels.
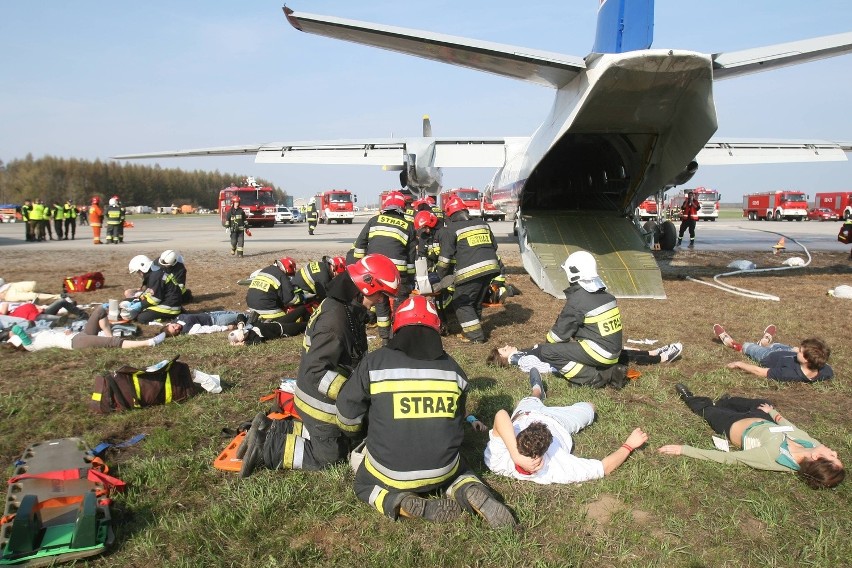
{"type": "Point", "coordinates": [88, 338]}
{"type": "Point", "coordinates": [768, 440]}
{"type": "Point", "coordinates": [807, 363]}
{"type": "Point", "coordinates": [534, 443]}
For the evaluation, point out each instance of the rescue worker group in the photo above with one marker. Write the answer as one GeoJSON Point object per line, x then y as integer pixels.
{"type": "Point", "coordinates": [397, 413]}
{"type": "Point", "coordinates": [42, 221]}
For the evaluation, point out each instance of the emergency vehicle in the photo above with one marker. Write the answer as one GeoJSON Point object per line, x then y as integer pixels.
{"type": "Point", "coordinates": [775, 205]}
{"type": "Point", "coordinates": [471, 197]}
{"type": "Point", "coordinates": [647, 209]}
{"type": "Point", "coordinates": [335, 205]}
{"type": "Point", "coordinates": [709, 199]}
{"type": "Point", "coordinates": [838, 201]}
{"type": "Point", "coordinates": [490, 212]}
{"type": "Point", "coordinates": [257, 201]}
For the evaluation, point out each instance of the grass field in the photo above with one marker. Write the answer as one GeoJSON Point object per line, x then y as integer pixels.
{"type": "Point", "coordinates": [654, 511]}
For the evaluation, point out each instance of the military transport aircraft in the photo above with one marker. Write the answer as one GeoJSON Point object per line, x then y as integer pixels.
{"type": "Point", "coordinates": [627, 122]}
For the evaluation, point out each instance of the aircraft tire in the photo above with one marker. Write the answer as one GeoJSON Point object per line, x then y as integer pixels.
{"type": "Point", "coordinates": [668, 236]}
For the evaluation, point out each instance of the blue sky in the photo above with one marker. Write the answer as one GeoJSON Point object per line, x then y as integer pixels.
{"type": "Point", "coordinates": [98, 78]}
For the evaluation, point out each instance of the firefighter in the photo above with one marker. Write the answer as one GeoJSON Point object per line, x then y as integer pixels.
{"type": "Point", "coordinates": [584, 343]}
{"type": "Point", "coordinates": [37, 214]}
{"type": "Point", "coordinates": [57, 211]}
{"type": "Point", "coordinates": [271, 293]}
{"type": "Point", "coordinates": [162, 298]}
{"type": "Point", "coordinates": [428, 236]}
{"type": "Point", "coordinates": [26, 209]}
{"type": "Point", "coordinates": [471, 246]}
{"type": "Point", "coordinates": [313, 217]}
{"type": "Point", "coordinates": [408, 398]}
{"type": "Point", "coordinates": [172, 262]}
{"type": "Point", "coordinates": [96, 215]}
{"type": "Point", "coordinates": [70, 219]}
{"type": "Point", "coordinates": [688, 217]}
{"type": "Point", "coordinates": [313, 279]}
{"type": "Point", "coordinates": [122, 218]}
{"type": "Point", "coordinates": [236, 222]}
{"type": "Point", "coordinates": [335, 342]}
{"type": "Point", "coordinates": [391, 235]}
{"type": "Point", "coordinates": [113, 220]}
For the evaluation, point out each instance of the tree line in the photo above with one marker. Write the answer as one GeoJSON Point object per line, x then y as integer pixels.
{"type": "Point", "coordinates": [57, 179]}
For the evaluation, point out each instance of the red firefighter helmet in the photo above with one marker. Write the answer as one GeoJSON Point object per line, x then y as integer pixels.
{"type": "Point", "coordinates": [375, 274]}
{"type": "Point", "coordinates": [430, 199]}
{"type": "Point", "coordinates": [287, 265]}
{"type": "Point", "coordinates": [453, 205]}
{"type": "Point", "coordinates": [416, 310]}
{"type": "Point", "coordinates": [421, 205]}
{"type": "Point", "coordinates": [393, 200]}
{"type": "Point", "coordinates": [425, 219]}
{"type": "Point", "coordinates": [235, 199]}
{"type": "Point", "coordinates": [337, 264]}
{"type": "Point", "coordinates": [96, 201]}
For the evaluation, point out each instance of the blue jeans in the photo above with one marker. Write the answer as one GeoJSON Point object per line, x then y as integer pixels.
{"type": "Point", "coordinates": [758, 352]}
{"type": "Point", "coordinates": [224, 317]}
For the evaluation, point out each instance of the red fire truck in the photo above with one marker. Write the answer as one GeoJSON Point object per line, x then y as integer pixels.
{"type": "Point", "coordinates": [471, 197]}
{"type": "Point", "coordinates": [709, 199]}
{"type": "Point", "coordinates": [647, 209]}
{"type": "Point", "coordinates": [336, 205]}
{"type": "Point", "coordinates": [775, 205]}
{"type": "Point", "coordinates": [257, 201]}
{"type": "Point", "coordinates": [838, 201]}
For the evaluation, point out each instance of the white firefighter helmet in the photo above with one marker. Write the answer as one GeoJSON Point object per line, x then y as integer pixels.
{"type": "Point", "coordinates": [140, 263]}
{"type": "Point", "coordinates": [581, 268]}
{"type": "Point", "coordinates": [169, 258]}
{"type": "Point", "coordinates": [113, 201]}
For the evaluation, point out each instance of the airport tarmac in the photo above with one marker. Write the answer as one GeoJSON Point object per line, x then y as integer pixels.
{"type": "Point", "coordinates": [187, 233]}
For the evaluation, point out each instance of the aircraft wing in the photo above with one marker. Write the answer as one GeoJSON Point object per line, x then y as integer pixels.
{"type": "Point", "coordinates": [718, 152]}
{"type": "Point", "coordinates": [391, 152]}
{"type": "Point", "coordinates": [541, 67]}
{"type": "Point", "coordinates": [735, 63]}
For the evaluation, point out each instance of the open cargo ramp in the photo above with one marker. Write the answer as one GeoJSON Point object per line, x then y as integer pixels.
{"type": "Point", "coordinates": [624, 262]}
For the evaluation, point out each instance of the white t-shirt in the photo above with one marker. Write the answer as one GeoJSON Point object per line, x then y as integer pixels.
{"type": "Point", "coordinates": [51, 338]}
{"type": "Point", "coordinates": [560, 466]}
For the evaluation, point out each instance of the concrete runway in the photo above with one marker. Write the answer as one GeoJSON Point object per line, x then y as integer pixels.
{"type": "Point", "coordinates": [188, 233]}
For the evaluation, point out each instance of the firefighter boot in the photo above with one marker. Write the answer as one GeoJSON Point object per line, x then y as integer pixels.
{"type": "Point", "coordinates": [691, 243]}
{"type": "Point", "coordinates": [435, 510]}
{"type": "Point", "coordinates": [476, 498]}
{"type": "Point", "coordinates": [233, 251]}
{"type": "Point", "coordinates": [251, 449]}
{"type": "Point", "coordinates": [679, 240]}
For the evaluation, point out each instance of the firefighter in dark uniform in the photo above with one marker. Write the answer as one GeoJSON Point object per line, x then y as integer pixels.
{"type": "Point", "coordinates": [391, 235]}
{"type": "Point", "coordinates": [436, 209]}
{"type": "Point", "coordinates": [586, 339]}
{"type": "Point", "coordinates": [688, 217]}
{"type": "Point", "coordinates": [334, 344]}
{"type": "Point", "coordinates": [236, 221]}
{"type": "Point", "coordinates": [172, 261]}
{"type": "Point", "coordinates": [113, 220]}
{"type": "Point", "coordinates": [470, 244]}
{"type": "Point", "coordinates": [408, 398]}
{"type": "Point", "coordinates": [162, 298]}
{"type": "Point", "coordinates": [271, 294]}
{"type": "Point", "coordinates": [70, 219]}
{"type": "Point", "coordinates": [26, 208]}
{"type": "Point", "coordinates": [122, 218]}
{"type": "Point", "coordinates": [312, 279]}
{"type": "Point", "coordinates": [312, 217]}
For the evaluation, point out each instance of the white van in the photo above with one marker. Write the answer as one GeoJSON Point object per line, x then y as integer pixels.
{"type": "Point", "coordinates": [283, 214]}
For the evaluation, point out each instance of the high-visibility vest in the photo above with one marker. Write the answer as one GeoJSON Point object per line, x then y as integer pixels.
{"type": "Point", "coordinates": [38, 212]}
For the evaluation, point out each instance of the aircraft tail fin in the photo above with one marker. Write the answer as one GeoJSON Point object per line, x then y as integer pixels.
{"type": "Point", "coordinates": [624, 25]}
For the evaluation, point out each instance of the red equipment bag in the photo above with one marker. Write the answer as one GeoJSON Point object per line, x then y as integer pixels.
{"type": "Point", "coordinates": [88, 282]}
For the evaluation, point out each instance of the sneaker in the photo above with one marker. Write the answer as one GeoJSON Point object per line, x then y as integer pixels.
{"type": "Point", "coordinates": [19, 332]}
{"type": "Point", "coordinates": [670, 352]}
{"type": "Point", "coordinates": [768, 336]}
{"type": "Point", "coordinates": [480, 499]}
{"type": "Point", "coordinates": [537, 383]}
{"type": "Point", "coordinates": [157, 339]}
{"type": "Point", "coordinates": [723, 335]}
{"type": "Point", "coordinates": [435, 510]}
{"type": "Point", "coordinates": [683, 392]}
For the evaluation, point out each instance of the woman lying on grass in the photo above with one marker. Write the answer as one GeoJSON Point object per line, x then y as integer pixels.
{"type": "Point", "coordinates": [769, 441]}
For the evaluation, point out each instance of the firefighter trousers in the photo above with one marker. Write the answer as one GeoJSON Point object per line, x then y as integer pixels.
{"type": "Point", "coordinates": [386, 497]}
{"type": "Point", "coordinates": [303, 444]}
{"type": "Point", "coordinates": [467, 303]}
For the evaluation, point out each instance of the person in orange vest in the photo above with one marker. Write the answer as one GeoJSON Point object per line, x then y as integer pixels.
{"type": "Point", "coordinates": [96, 215]}
{"type": "Point", "coordinates": [688, 216]}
